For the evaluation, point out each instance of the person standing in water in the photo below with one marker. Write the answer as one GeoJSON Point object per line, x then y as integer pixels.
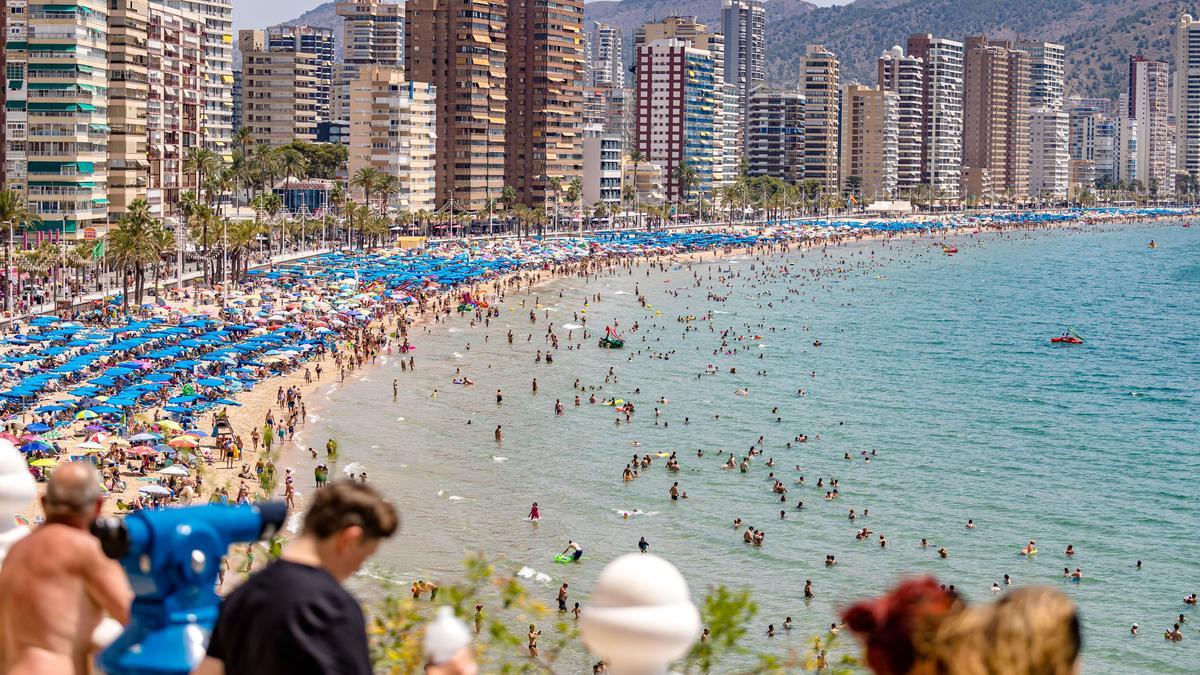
{"type": "Point", "coordinates": [534, 514]}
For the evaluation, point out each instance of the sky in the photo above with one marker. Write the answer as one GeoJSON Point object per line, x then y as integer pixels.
{"type": "Point", "coordinates": [263, 13]}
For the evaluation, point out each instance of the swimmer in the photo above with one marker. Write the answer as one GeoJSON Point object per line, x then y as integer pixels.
{"type": "Point", "coordinates": [1029, 548]}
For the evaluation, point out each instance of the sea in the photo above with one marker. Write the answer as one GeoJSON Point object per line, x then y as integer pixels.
{"type": "Point", "coordinates": [937, 366]}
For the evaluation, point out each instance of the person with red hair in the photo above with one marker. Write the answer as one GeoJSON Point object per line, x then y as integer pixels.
{"type": "Point", "coordinates": [922, 628]}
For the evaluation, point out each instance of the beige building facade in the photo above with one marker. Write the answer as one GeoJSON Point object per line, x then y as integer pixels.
{"type": "Point", "coordinates": [821, 80]}
{"type": "Point", "coordinates": [279, 91]}
{"type": "Point", "coordinates": [870, 124]}
{"type": "Point", "coordinates": [393, 129]}
{"type": "Point", "coordinates": [996, 120]}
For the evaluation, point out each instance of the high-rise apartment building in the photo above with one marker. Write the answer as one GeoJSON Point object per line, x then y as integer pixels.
{"type": "Point", "coordinates": [1187, 96]}
{"type": "Point", "coordinates": [1047, 66]}
{"type": "Point", "coordinates": [1106, 135]}
{"type": "Point", "coordinates": [281, 90]}
{"type": "Point", "coordinates": [217, 70]}
{"type": "Point", "coordinates": [316, 44]}
{"type": "Point", "coordinates": [905, 75]}
{"type": "Point", "coordinates": [471, 94]}
{"type": "Point", "coordinates": [683, 28]}
{"type": "Point", "coordinates": [4, 168]}
{"type": "Point", "coordinates": [1084, 124]}
{"type": "Point", "coordinates": [678, 92]}
{"type": "Point", "coordinates": [607, 61]}
{"type": "Point", "coordinates": [1148, 105]}
{"type": "Point", "coordinates": [544, 87]}
{"type": "Point", "coordinates": [393, 127]}
{"type": "Point", "coordinates": [509, 77]}
{"type": "Point", "coordinates": [775, 134]}
{"type": "Point", "coordinates": [731, 152]}
{"type": "Point", "coordinates": [870, 144]}
{"type": "Point", "coordinates": [156, 92]}
{"type": "Point", "coordinates": [459, 47]}
{"type": "Point", "coordinates": [1049, 168]}
{"type": "Point", "coordinates": [602, 155]}
{"type": "Point", "coordinates": [56, 129]}
{"type": "Point", "coordinates": [941, 111]}
{"type": "Point", "coordinates": [996, 91]}
{"type": "Point", "coordinates": [743, 23]}
{"type": "Point", "coordinates": [1125, 150]}
{"type": "Point", "coordinates": [128, 91]}
{"type": "Point", "coordinates": [238, 99]}
{"type": "Point", "coordinates": [821, 82]}
{"type": "Point", "coordinates": [1050, 164]}
{"type": "Point", "coordinates": [372, 34]}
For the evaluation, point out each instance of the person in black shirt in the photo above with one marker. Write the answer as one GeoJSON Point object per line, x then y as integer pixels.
{"type": "Point", "coordinates": [294, 617]}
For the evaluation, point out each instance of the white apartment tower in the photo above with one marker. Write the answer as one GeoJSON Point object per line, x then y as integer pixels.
{"type": "Point", "coordinates": [1187, 96]}
{"type": "Point", "coordinates": [393, 127]}
{"type": "Point", "coordinates": [372, 34]}
{"type": "Point", "coordinates": [1049, 170]}
{"type": "Point", "coordinates": [904, 75]}
{"type": "Point", "coordinates": [941, 111]}
{"type": "Point", "coordinates": [1148, 105]}
{"type": "Point", "coordinates": [606, 60]}
{"type": "Point", "coordinates": [743, 23]}
{"type": "Point", "coordinates": [216, 119]}
{"type": "Point", "coordinates": [775, 144]}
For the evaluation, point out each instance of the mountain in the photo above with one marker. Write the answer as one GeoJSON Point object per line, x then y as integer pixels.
{"type": "Point", "coordinates": [1099, 34]}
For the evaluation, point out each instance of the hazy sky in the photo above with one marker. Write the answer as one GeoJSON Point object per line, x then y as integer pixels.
{"type": "Point", "coordinates": [262, 13]}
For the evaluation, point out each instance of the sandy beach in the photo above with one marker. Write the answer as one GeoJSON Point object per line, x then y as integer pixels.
{"type": "Point", "coordinates": [293, 453]}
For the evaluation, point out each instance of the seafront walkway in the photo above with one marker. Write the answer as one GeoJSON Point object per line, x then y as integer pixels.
{"type": "Point", "coordinates": [111, 285]}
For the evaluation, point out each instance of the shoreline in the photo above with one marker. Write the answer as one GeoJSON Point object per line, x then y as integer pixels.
{"type": "Point", "coordinates": [258, 402]}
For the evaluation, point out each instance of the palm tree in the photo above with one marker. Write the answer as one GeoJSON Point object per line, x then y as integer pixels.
{"type": "Point", "coordinates": [15, 213]}
{"type": "Point", "coordinates": [202, 162]}
{"type": "Point", "coordinates": [242, 235]}
{"type": "Point", "coordinates": [686, 178]}
{"type": "Point", "coordinates": [243, 138]}
{"type": "Point", "coordinates": [574, 195]}
{"type": "Point", "coordinates": [264, 163]}
{"type": "Point", "coordinates": [292, 164]}
{"type": "Point", "coordinates": [337, 199]}
{"type": "Point", "coordinates": [554, 186]}
{"type": "Point", "coordinates": [133, 243]}
{"type": "Point", "coordinates": [367, 179]}
{"type": "Point", "coordinates": [508, 197]}
{"type": "Point", "coordinates": [374, 228]}
{"type": "Point", "coordinates": [41, 261]}
{"type": "Point", "coordinates": [79, 257]}
{"type": "Point", "coordinates": [357, 213]}
{"type": "Point", "coordinates": [194, 211]}
{"type": "Point", "coordinates": [386, 186]}
{"type": "Point", "coordinates": [201, 225]}
{"type": "Point", "coordinates": [638, 158]}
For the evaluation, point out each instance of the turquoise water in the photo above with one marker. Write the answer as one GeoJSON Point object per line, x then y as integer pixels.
{"type": "Point", "coordinates": [939, 364]}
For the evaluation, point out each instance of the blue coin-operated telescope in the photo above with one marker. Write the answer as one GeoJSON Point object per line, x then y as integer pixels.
{"type": "Point", "coordinates": [172, 557]}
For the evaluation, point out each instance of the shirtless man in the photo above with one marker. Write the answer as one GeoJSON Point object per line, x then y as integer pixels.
{"type": "Point", "coordinates": [57, 584]}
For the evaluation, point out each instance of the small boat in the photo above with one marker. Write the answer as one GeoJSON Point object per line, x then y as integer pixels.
{"type": "Point", "coordinates": [950, 250]}
{"type": "Point", "coordinates": [1067, 339]}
